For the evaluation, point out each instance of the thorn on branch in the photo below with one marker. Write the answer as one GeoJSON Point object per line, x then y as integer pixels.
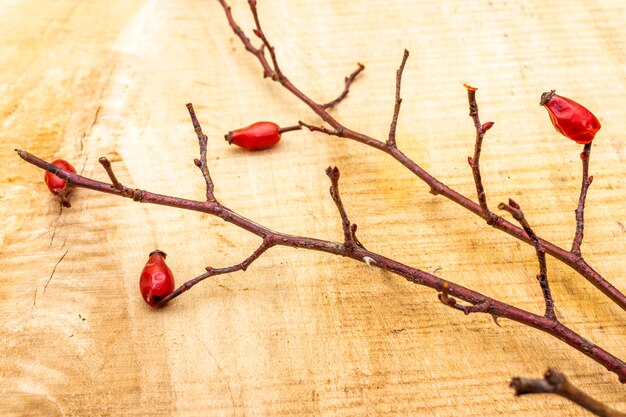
{"type": "Point", "coordinates": [391, 140]}
{"type": "Point", "coordinates": [348, 81]}
{"type": "Point", "coordinates": [555, 382]}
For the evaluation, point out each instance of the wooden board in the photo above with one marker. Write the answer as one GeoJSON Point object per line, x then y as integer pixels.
{"type": "Point", "coordinates": [300, 333]}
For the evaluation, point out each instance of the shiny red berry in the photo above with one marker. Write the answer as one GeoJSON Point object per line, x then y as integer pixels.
{"type": "Point", "coordinates": [570, 118]}
{"type": "Point", "coordinates": [58, 186]}
{"type": "Point", "coordinates": [257, 136]}
{"type": "Point", "coordinates": [156, 281]}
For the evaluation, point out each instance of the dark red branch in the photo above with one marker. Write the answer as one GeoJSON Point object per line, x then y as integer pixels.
{"type": "Point", "coordinates": [348, 82]}
{"type": "Point", "coordinates": [391, 139]}
{"type": "Point", "coordinates": [417, 276]}
{"type": "Point", "coordinates": [580, 210]}
{"type": "Point", "coordinates": [518, 215]}
{"type": "Point", "coordinates": [573, 260]}
{"type": "Point", "coordinates": [554, 382]}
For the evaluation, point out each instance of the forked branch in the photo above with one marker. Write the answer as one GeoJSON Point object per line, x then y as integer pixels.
{"type": "Point", "coordinates": [570, 258]}
{"type": "Point", "coordinates": [449, 290]}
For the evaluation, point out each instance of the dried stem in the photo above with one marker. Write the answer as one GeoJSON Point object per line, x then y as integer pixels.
{"type": "Point", "coordinates": [474, 162]}
{"type": "Point", "coordinates": [555, 382]}
{"type": "Point", "coordinates": [391, 140]}
{"type": "Point", "coordinates": [518, 215]}
{"type": "Point", "coordinates": [480, 302]}
{"type": "Point", "coordinates": [569, 258]}
{"type": "Point", "coordinates": [580, 210]}
{"type": "Point", "coordinates": [348, 81]}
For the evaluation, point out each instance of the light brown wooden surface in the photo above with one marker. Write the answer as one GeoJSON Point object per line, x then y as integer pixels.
{"type": "Point", "coordinates": [300, 333]}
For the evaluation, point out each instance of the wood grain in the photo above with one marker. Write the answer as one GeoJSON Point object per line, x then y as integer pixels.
{"type": "Point", "coordinates": [300, 333]}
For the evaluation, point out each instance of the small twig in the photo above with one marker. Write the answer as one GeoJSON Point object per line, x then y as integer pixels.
{"type": "Point", "coordinates": [107, 167]}
{"type": "Point", "coordinates": [391, 140]}
{"type": "Point", "coordinates": [555, 382]}
{"type": "Point", "coordinates": [349, 229]}
{"type": "Point", "coordinates": [580, 211]}
{"type": "Point", "coordinates": [277, 74]}
{"type": "Point", "coordinates": [474, 162]}
{"type": "Point", "coordinates": [258, 52]}
{"type": "Point", "coordinates": [133, 193]}
{"type": "Point", "coordinates": [211, 272]}
{"type": "Point", "coordinates": [348, 81]}
{"type": "Point", "coordinates": [518, 215]}
{"type": "Point", "coordinates": [201, 163]}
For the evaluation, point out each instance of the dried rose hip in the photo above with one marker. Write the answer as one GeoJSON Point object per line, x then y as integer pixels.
{"type": "Point", "coordinates": [58, 186]}
{"type": "Point", "coordinates": [570, 118]}
{"type": "Point", "coordinates": [257, 136]}
{"type": "Point", "coordinates": [156, 281]}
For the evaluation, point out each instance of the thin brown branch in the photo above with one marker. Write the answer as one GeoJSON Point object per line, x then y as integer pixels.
{"type": "Point", "coordinates": [494, 307]}
{"type": "Point", "coordinates": [201, 163]}
{"type": "Point", "coordinates": [106, 164]}
{"type": "Point", "coordinates": [277, 74]}
{"type": "Point", "coordinates": [554, 382]}
{"type": "Point", "coordinates": [518, 215]}
{"type": "Point", "coordinates": [349, 229]}
{"type": "Point", "coordinates": [348, 82]}
{"type": "Point", "coordinates": [391, 139]}
{"type": "Point", "coordinates": [580, 210]}
{"type": "Point", "coordinates": [574, 261]}
{"type": "Point", "coordinates": [474, 162]}
{"type": "Point", "coordinates": [211, 272]}
{"type": "Point", "coordinates": [258, 52]}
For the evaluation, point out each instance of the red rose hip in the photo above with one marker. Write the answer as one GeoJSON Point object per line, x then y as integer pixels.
{"type": "Point", "coordinates": [156, 281]}
{"type": "Point", "coordinates": [257, 136]}
{"type": "Point", "coordinates": [570, 118]}
{"type": "Point", "coordinates": [58, 186]}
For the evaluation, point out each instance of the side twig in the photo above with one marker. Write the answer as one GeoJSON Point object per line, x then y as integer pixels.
{"type": "Point", "coordinates": [211, 272]}
{"type": "Point", "coordinates": [580, 210]}
{"type": "Point", "coordinates": [201, 163]}
{"type": "Point", "coordinates": [554, 382]}
{"type": "Point", "coordinates": [348, 82]}
{"type": "Point", "coordinates": [518, 215]}
{"type": "Point", "coordinates": [349, 229]}
{"type": "Point", "coordinates": [474, 162]}
{"type": "Point", "coordinates": [391, 140]}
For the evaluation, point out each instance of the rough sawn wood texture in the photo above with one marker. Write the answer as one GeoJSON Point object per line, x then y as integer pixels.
{"type": "Point", "coordinates": [301, 333]}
